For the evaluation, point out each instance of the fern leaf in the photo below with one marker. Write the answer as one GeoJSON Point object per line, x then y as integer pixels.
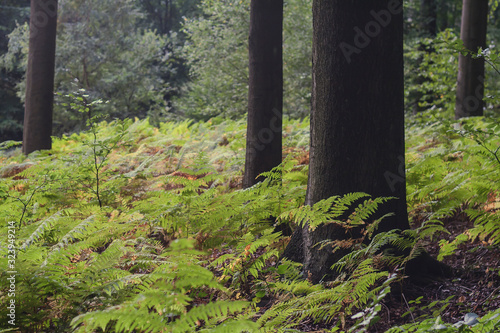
{"type": "Point", "coordinates": [44, 226]}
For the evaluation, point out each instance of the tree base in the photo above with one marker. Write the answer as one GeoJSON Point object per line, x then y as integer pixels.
{"type": "Point", "coordinates": [295, 249]}
{"type": "Point", "coordinates": [422, 270]}
{"type": "Point", "coordinates": [425, 269]}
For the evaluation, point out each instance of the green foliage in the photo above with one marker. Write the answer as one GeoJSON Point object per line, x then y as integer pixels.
{"type": "Point", "coordinates": [11, 120]}
{"type": "Point", "coordinates": [12, 12]}
{"type": "Point", "coordinates": [432, 68]}
{"type": "Point", "coordinates": [95, 159]}
{"type": "Point", "coordinates": [489, 323]}
{"type": "Point", "coordinates": [174, 246]}
{"type": "Point", "coordinates": [217, 53]}
{"type": "Point", "coordinates": [163, 301]}
{"type": "Point", "coordinates": [431, 72]}
{"type": "Point", "coordinates": [101, 49]}
{"type": "Point", "coordinates": [369, 315]}
{"type": "Point", "coordinates": [167, 16]}
{"type": "Point", "coordinates": [331, 304]}
{"type": "Point", "coordinates": [457, 171]}
{"type": "Point", "coordinates": [387, 250]}
{"type": "Point", "coordinates": [330, 210]}
{"type": "Point", "coordinates": [109, 56]}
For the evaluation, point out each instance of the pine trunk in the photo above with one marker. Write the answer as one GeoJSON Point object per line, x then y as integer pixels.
{"type": "Point", "coordinates": [428, 29]}
{"type": "Point", "coordinates": [470, 82]}
{"type": "Point", "coordinates": [40, 76]}
{"type": "Point", "coordinates": [357, 121]}
{"type": "Point", "coordinates": [265, 95]}
{"type": "Point", "coordinates": [428, 18]}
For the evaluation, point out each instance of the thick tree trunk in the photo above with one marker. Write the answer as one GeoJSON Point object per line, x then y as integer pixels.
{"type": "Point", "coordinates": [470, 82]}
{"type": "Point", "coordinates": [265, 95]}
{"type": "Point", "coordinates": [40, 76]}
{"type": "Point", "coordinates": [357, 121]}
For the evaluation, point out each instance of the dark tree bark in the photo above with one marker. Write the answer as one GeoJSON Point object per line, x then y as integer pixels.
{"type": "Point", "coordinates": [265, 94]}
{"type": "Point", "coordinates": [357, 121]}
{"type": "Point", "coordinates": [470, 82]}
{"type": "Point", "coordinates": [40, 76]}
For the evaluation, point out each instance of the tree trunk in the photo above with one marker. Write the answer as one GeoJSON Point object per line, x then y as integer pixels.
{"type": "Point", "coordinates": [167, 18]}
{"type": "Point", "coordinates": [428, 29]}
{"type": "Point", "coordinates": [265, 93]}
{"type": "Point", "coordinates": [470, 82]}
{"type": "Point", "coordinates": [443, 15]}
{"type": "Point", "coordinates": [428, 18]}
{"type": "Point", "coordinates": [357, 121]}
{"type": "Point", "coordinates": [40, 76]}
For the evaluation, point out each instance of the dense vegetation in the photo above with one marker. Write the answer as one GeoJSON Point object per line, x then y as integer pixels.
{"type": "Point", "coordinates": [133, 227]}
{"type": "Point", "coordinates": [197, 66]}
{"type": "Point", "coordinates": [136, 220]}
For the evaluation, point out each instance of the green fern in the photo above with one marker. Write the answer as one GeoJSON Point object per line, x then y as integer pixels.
{"type": "Point", "coordinates": [166, 291]}
{"type": "Point", "coordinates": [322, 212]}
{"type": "Point", "coordinates": [326, 305]}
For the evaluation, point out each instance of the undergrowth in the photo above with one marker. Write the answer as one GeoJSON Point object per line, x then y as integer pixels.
{"type": "Point", "coordinates": [132, 228]}
{"type": "Point", "coordinates": [454, 168]}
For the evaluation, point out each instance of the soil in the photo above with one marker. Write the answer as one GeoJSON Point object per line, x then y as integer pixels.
{"type": "Point", "coordinates": [474, 286]}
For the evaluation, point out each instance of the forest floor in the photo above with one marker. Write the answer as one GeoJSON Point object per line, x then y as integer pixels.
{"type": "Point", "coordinates": [172, 176]}
{"type": "Point", "coordinates": [473, 288]}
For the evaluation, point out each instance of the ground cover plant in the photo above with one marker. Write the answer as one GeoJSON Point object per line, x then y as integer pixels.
{"type": "Point", "coordinates": [140, 216]}
{"type": "Point", "coordinates": [133, 228]}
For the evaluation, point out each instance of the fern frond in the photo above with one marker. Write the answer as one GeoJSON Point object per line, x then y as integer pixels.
{"type": "Point", "coordinates": [234, 325]}
{"type": "Point", "coordinates": [110, 257]}
{"type": "Point", "coordinates": [220, 310]}
{"type": "Point", "coordinates": [76, 233]}
{"type": "Point", "coordinates": [44, 226]}
{"type": "Point", "coordinates": [366, 209]}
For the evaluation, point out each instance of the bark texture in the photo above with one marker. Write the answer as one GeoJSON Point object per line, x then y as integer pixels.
{"type": "Point", "coordinates": [357, 121]}
{"type": "Point", "coordinates": [470, 82]}
{"type": "Point", "coordinates": [265, 95]}
{"type": "Point", "coordinates": [40, 76]}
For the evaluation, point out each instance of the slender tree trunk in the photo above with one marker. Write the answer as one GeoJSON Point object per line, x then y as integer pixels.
{"type": "Point", "coordinates": [428, 17]}
{"type": "Point", "coordinates": [443, 15]}
{"type": "Point", "coordinates": [357, 121]}
{"type": "Point", "coordinates": [167, 18]}
{"type": "Point", "coordinates": [265, 93]}
{"type": "Point", "coordinates": [470, 82]}
{"type": "Point", "coordinates": [428, 29]}
{"type": "Point", "coordinates": [40, 76]}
